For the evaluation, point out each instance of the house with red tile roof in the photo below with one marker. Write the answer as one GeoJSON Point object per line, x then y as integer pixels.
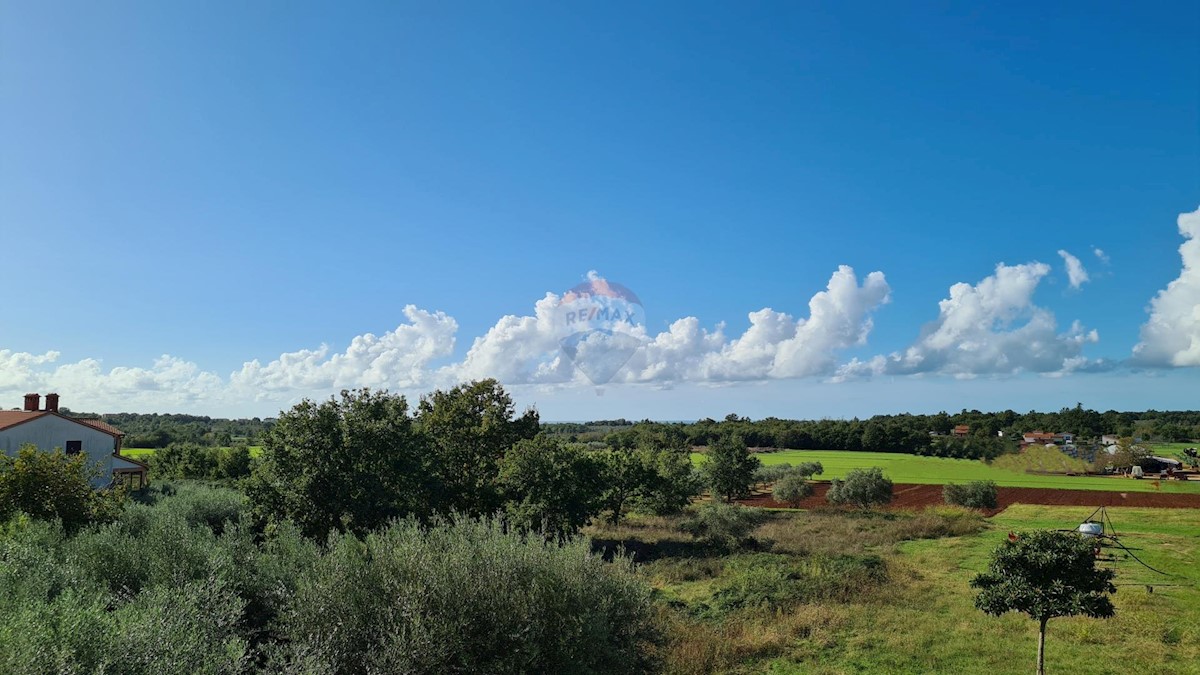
{"type": "Point", "coordinates": [48, 429]}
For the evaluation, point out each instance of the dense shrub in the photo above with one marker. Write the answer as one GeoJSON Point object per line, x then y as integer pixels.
{"type": "Point", "coordinates": [773, 581]}
{"type": "Point", "coordinates": [863, 488]}
{"type": "Point", "coordinates": [464, 596]}
{"type": "Point", "coordinates": [792, 488]}
{"type": "Point", "coordinates": [234, 463]}
{"type": "Point", "coordinates": [980, 494]}
{"type": "Point", "coordinates": [51, 485]}
{"type": "Point", "coordinates": [724, 527]}
{"type": "Point", "coordinates": [769, 473]}
{"type": "Point", "coordinates": [104, 601]}
{"type": "Point", "coordinates": [179, 584]}
{"type": "Point", "coordinates": [185, 460]}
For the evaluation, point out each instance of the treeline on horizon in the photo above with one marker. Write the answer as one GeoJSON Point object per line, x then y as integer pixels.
{"type": "Point", "coordinates": [906, 433]}
{"type": "Point", "coordinates": [909, 433]}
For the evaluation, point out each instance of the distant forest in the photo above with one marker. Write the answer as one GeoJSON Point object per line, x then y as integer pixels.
{"type": "Point", "coordinates": [885, 433]}
{"type": "Point", "coordinates": [158, 431]}
{"type": "Point", "coordinates": [893, 433]}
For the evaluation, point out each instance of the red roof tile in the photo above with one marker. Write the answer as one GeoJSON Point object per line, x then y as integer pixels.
{"type": "Point", "coordinates": [101, 425]}
{"type": "Point", "coordinates": [11, 418]}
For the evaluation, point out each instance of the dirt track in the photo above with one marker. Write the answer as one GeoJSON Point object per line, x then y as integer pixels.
{"type": "Point", "coordinates": [909, 496]}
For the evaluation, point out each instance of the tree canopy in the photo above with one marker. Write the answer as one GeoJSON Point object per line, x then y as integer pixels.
{"type": "Point", "coordinates": [1045, 574]}
{"type": "Point", "coordinates": [729, 468]}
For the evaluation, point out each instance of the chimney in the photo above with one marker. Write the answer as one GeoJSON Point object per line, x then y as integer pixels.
{"type": "Point", "coordinates": [32, 402]}
{"type": "Point", "coordinates": [52, 402]}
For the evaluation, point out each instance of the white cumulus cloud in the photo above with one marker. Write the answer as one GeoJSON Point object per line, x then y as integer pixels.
{"type": "Point", "coordinates": [1171, 336]}
{"type": "Point", "coordinates": [170, 382]}
{"type": "Point", "coordinates": [527, 349]}
{"type": "Point", "coordinates": [776, 345]}
{"type": "Point", "coordinates": [399, 358]}
{"type": "Point", "coordinates": [992, 327]}
{"type": "Point", "coordinates": [1076, 274]}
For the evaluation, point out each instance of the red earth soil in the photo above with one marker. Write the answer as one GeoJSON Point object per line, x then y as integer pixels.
{"type": "Point", "coordinates": [909, 496]}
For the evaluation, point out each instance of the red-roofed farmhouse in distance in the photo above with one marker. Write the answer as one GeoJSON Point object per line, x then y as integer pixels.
{"type": "Point", "coordinates": [47, 429]}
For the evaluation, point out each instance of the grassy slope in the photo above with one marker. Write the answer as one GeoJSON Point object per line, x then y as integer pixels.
{"type": "Point", "coordinates": [901, 468]}
{"type": "Point", "coordinates": [929, 624]}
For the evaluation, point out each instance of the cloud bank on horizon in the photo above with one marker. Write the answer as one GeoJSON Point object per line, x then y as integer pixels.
{"type": "Point", "coordinates": [988, 328]}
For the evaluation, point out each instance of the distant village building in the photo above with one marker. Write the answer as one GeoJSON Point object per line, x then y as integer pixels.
{"type": "Point", "coordinates": [1109, 439]}
{"type": "Point", "coordinates": [47, 429]}
{"type": "Point", "coordinates": [961, 430]}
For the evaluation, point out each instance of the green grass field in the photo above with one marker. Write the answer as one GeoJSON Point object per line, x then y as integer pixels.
{"type": "Point", "coordinates": [901, 468]}
{"type": "Point", "coordinates": [1174, 450]}
{"type": "Point", "coordinates": [142, 454]}
{"type": "Point", "coordinates": [932, 626]}
{"type": "Point", "coordinates": [922, 619]}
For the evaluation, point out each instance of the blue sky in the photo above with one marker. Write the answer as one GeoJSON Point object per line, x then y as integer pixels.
{"type": "Point", "coordinates": [226, 183]}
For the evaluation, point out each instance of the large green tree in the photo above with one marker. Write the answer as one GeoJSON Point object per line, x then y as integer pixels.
{"type": "Point", "coordinates": [628, 474]}
{"type": "Point", "coordinates": [348, 463]}
{"type": "Point", "coordinates": [468, 430]}
{"type": "Point", "coordinates": [729, 468]}
{"type": "Point", "coordinates": [549, 487]}
{"type": "Point", "coordinates": [1045, 574]}
{"type": "Point", "coordinates": [647, 478]}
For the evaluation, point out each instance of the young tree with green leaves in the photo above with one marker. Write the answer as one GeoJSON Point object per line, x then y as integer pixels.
{"type": "Point", "coordinates": [1045, 574]}
{"type": "Point", "coordinates": [729, 468]}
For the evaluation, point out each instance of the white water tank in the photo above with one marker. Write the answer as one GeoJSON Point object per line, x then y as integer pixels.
{"type": "Point", "coordinates": [1090, 529]}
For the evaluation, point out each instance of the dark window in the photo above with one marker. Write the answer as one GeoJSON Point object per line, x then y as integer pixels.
{"type": "Point", "coordinates": [74, 447]}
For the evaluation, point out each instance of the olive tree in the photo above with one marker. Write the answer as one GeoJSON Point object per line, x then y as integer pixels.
{"type": "Point", "coordinates": [978, 494]}
{"type": "Point", "coordinates": [863, 488]}
{"type": "Point", "coordinates": [793, 486]}
{"type": "Point", "coordinates": [792, 489]}
{"type": "Point", "coordinates": [1045, 574]}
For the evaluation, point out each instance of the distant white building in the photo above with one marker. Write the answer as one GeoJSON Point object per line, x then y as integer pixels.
{"type": "Point", "coordinates": [1109, 439]}
{"type": "Point", "coordinates": [47, 429]}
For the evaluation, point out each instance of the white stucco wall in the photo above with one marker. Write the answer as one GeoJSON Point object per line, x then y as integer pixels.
{"type": "Point", "coordinates": [50, 431]}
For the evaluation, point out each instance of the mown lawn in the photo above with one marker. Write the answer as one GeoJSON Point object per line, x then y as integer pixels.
{"type": "Point", "coordinates": [930, 625]}
{"type": "Point", "coordinates": [901, 468]}
{"type": "Point", "coordinates": [1174, 450]}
